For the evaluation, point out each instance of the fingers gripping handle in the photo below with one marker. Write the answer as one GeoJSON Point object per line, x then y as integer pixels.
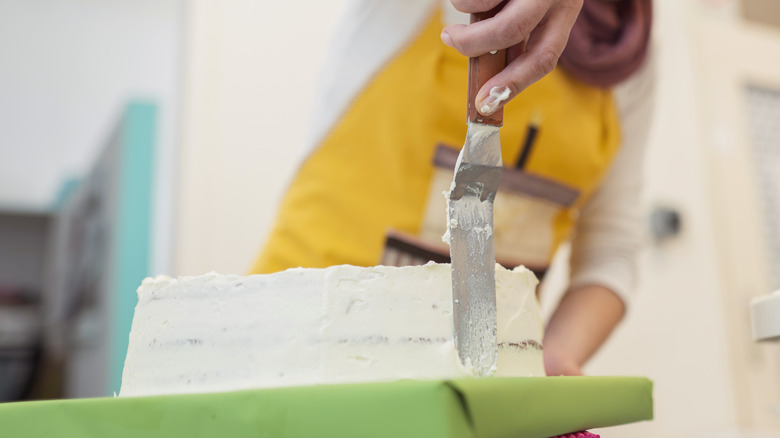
{"type": "Point", "coordinates": [481, 69]}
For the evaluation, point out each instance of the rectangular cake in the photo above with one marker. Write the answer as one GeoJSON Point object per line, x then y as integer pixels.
{"type": "Point", "coordinates": [343, 324]}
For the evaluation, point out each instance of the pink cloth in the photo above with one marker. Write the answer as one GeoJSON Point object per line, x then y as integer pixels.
{"type": "Point", "coordinates": [609, 41]}
{"type": "Point", "coordinates": [583, 434]}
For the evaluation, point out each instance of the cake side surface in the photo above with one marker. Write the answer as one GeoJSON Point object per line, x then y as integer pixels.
{"type": "Point", "coordinates": [520, 326]}
{"type": "Point", "coordinates": [218, 333]}
{"type": "Point", "coordinates": [342, 324]}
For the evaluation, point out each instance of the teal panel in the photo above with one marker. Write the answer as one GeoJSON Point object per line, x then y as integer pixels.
{"type": "Point", "coordinates": [67, 189]}
{"type": "Point", "coordinates": [133, 226]}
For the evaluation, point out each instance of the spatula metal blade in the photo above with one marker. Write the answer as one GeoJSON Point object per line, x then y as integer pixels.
{"type": "Point", "coordinates": [470, 217]}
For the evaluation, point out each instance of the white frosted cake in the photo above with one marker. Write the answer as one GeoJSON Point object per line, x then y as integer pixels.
{"type": "Point", "coordinates": [309, 326]}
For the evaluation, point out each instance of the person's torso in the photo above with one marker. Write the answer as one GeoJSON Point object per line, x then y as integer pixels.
{"type": "Point", "coordinates": [371, 190]}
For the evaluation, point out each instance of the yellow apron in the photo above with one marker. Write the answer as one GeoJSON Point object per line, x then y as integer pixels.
{"type": "Point", "coordinates": [371, 192]}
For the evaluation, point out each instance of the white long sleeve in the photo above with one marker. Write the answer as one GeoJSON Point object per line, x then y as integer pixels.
{"type": "Point", "coordinates": [609, 231]}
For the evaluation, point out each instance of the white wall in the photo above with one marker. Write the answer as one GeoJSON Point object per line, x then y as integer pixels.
{"type": "Point", "coordinates": [251, 71]}
{"type": "Point", "coordinates": [67, 67]}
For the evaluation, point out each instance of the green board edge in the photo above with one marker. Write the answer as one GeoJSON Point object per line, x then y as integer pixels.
{"type": "Point", "coordinates": [535, 407]}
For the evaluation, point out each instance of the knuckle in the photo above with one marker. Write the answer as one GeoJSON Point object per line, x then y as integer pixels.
{"type": "Point", "coordinates": [546, 60]}
{"type": "Point", "coordinates": [512, 31]}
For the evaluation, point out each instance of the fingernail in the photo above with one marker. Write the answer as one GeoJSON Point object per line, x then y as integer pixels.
{"type": "Point", "coordinates": [490, 104]}
{"type": "Point", "coordinates": [446, 38]}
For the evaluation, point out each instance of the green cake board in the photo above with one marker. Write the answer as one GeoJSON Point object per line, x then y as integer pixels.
{"type": "Point", "coordinates": [533, 407]}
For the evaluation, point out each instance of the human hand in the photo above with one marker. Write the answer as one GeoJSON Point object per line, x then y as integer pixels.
{"type": "Point", "coordinates": [557, 363]}
{"type": "Point", "coordinates": [582, 322]}
{"type": "Point", "coordinates": [534, 32]}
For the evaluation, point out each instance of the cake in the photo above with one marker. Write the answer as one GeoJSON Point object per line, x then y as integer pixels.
{"type": "Point", "coordinates": [343, 324]}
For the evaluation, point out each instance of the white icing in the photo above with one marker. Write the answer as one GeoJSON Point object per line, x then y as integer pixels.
{"type": "Point", "coordinates": [451, 222]}
{"type": "Point", "coordinates": [342, 324]}
{"type": "Point", "coordinates": [497, 95]}
{"type": "Point", "coordinates": [470, 215]}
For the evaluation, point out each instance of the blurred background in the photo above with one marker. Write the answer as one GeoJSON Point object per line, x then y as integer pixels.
{"type": "Point", "coordinates": [147, 137]}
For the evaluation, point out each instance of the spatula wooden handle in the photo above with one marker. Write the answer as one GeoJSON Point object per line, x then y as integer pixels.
{"type": "Point", "coordinates": [481, 69]}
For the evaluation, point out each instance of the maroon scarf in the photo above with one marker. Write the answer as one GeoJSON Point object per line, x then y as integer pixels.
{"type": "Point", "coordinates": [609, 41]}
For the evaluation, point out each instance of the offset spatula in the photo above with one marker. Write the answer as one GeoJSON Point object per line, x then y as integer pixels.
{"type": "Point", "coordinates": [470, 217]}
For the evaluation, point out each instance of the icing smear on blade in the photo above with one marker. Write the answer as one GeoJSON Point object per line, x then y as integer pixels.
{"type": "Point", "coordinates": [470, 369]}
{"type": "Point", "coordinates": [451, 221]}
{"type": "Point", "coordinates": [471, 212]}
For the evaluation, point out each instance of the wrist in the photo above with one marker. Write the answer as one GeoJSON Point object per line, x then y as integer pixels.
{"type": "Point", "coordinates": [584, 319]}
